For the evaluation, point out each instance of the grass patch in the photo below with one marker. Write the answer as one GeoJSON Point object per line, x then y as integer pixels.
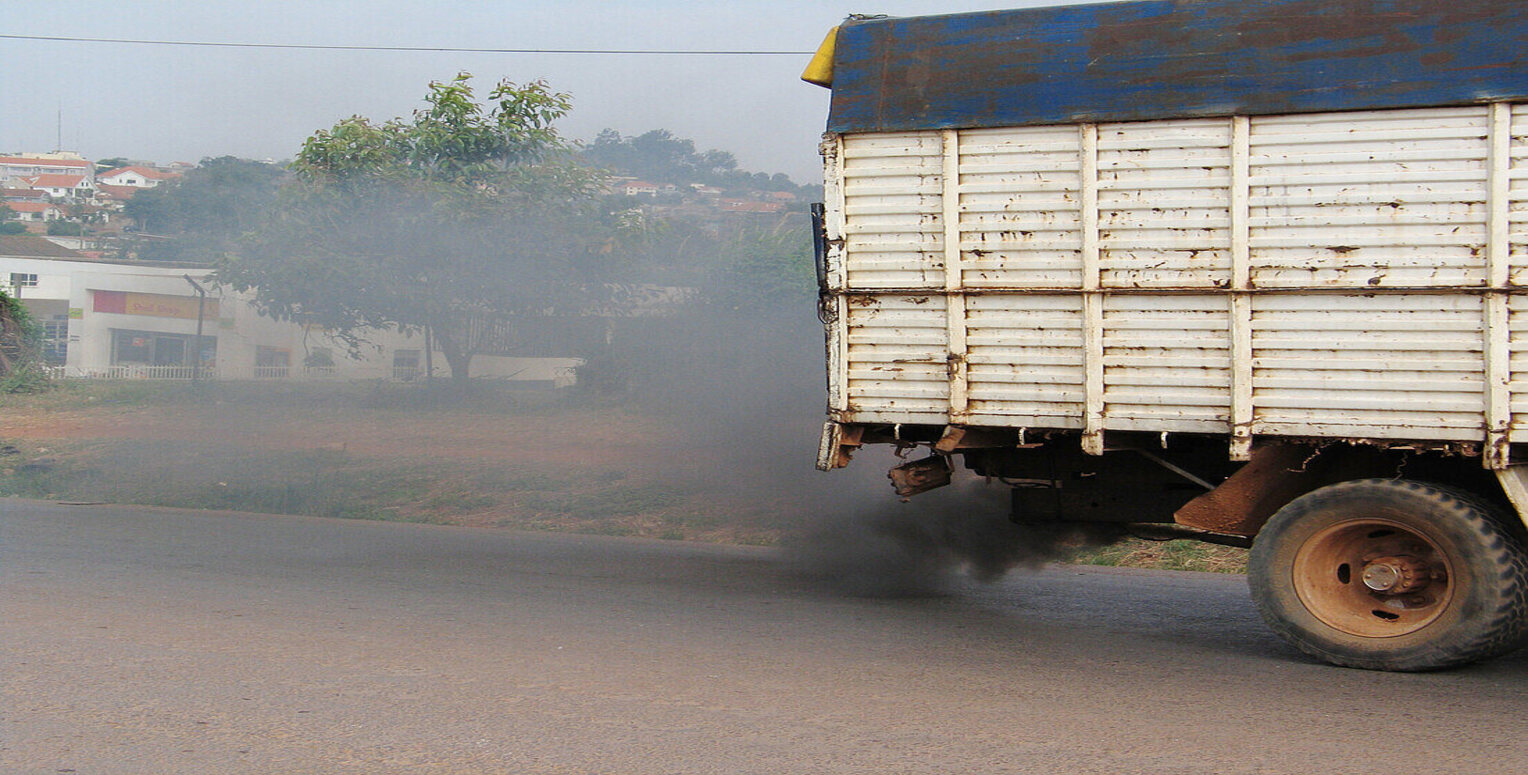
{"type": "Point", "coordinates": [479, 397]}
{"type": "Point", "coordinates": [330, 483]}
{"type": "Point", "coordinates": [606, 500]}
{"type": "Point", "coordinates": [65, 395]}
{"type": "Point", "coordinates": [1165, 555]}
{"type": "Point", "coordinates": [334, 483]}
{"type": "Point", "coordinates": [203, 476]}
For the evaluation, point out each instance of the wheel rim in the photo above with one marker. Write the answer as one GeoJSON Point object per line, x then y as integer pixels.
{"type": "Point", "coordinates": [1373, 578]}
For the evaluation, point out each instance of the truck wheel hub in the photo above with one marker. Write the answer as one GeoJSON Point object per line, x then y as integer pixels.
{"type": "Point", "coordinates": [1395, 575]}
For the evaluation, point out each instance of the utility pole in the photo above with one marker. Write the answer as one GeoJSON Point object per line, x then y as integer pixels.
{"type": "Point", "coordinates": [201, 307]}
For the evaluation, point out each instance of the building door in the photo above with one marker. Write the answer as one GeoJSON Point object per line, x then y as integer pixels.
{"type": "Point", "coordinates": [55, 341]}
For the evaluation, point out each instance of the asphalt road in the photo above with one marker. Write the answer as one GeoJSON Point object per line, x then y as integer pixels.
{"type": "Point", "coordinates": [162, 641]}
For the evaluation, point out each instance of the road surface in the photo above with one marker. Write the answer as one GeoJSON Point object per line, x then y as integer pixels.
{"type": "Point", "coordinates": [161, 641]}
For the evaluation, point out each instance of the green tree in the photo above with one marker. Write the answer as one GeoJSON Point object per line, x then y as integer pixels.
{"type": "Point", "coordinates": [453, 221]}
{"type": "Point", "coordinates": [7, 224]}
{"type": "Point", "coordinates": [206, 211]}
{"type": "Point", "coordinates": [65, 229]}
{"type": "Point", "coordinates": [659, 157]}
{"type": "Point", "coordinates": [764, 269]}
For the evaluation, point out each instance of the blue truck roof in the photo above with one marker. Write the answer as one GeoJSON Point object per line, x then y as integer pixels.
{"type": "Point", "coordinates": [1152, 59]}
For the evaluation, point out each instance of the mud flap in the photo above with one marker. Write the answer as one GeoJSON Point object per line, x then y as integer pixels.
{"type": "Point", "coordinates": [917, 476]}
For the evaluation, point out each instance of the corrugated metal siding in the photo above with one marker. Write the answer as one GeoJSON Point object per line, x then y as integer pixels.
{"type": "Point", "coordinates": [1025, 360]}
{"type": "Point", "coordinates": [892, 212]}
{"type": "Point", "coordinates": [1393, 198]}
{"type": "Point", "coordinates": [1167, 361]}
{"type": "Point", "coordinates": [1517, 208]}
{"type": "Point", "coordinates": [1303, 276]}
{"type": "Point", "coordinates": [1020, 208]}
{"type": "Point", "coordinates": [1382, 365]}
{"type": "Point", "coordinates": [897, 358]}
{"type": "Point", "coordinates": [1164, 199]}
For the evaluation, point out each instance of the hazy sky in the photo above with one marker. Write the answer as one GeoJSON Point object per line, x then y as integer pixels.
{"type": "Point", "coordinates": [168, 103]}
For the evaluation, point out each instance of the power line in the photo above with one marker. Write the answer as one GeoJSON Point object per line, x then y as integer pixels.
{"type": "Point", "coordinates": [427, 49]}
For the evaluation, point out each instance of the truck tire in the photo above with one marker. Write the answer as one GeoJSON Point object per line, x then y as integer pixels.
{"type": "Point", "coordinates": [1387, 574]}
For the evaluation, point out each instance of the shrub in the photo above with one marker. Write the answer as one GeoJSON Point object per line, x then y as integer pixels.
{"type": "Point", "coordinates": [21, 366]}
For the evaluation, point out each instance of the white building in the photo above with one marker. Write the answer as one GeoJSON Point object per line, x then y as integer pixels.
{"type": "Point", "coordinates": [36, 212]}
{"type": "Point", "coordinates": [106, 319]}
{"type": "Point", "coordinates": [33, 165]}
{"type": "Point", "coordinates": [63, 186]}
{"type": "Point", "coordinates": [137, 177]}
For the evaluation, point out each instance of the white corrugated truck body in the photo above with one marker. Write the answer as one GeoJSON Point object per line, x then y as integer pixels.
{"type": "Point", "coordinates": [1353, 275]}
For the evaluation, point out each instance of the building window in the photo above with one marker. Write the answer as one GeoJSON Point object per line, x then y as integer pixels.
{"type": "Point", "coordinates": [319, 358]}
{"type": "Point", "coordinates": [405, 365]}
{"type": "Point", "coordinates": [272, 362]}
{"type": "Point", "coordinates": [152, 348]}
{"type": "Point", "coordinates": [22, 280]}
{"type": "Point", "coordinates": [131, 347]}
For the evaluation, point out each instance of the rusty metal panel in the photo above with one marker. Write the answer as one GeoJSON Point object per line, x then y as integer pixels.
{"type": "Point", "coordinates": [1159, 59]}
{"type": "Point", "coordinates": [1025, 360]}
{"type": "Point", "coordinates": [1020, 209]}
{"type": "Point", "coordinates": [1369, 365]}
{"type": "Point", "coordinates": [1517, 200]}
{"type": "Point", "coordinates": [1164, 204]}
{"type": "Point", "coordinates": [1167, 363]}
{"type": "Point", "coordinates": [1325, 275]}
{"type": "Point", "coordinates": [892, 212]}
{"type": "Point", "coordinates": [1379, 199]}
{"type": "Point", "coordinates": [896, 357]}
{"type": "Point", "coordinates": [1517, 385]}
{"type": "Point", "coordinates": [1517, 240]}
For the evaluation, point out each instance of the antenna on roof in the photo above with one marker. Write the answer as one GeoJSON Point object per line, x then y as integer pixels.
{"type": "Point", "coordinates": [59, 141]}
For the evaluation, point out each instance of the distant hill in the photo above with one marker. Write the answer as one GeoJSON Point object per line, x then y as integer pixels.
{"type": "Point", "coordinates": [660, 157]}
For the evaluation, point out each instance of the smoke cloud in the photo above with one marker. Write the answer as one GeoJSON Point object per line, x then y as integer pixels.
{"type": "Point", "coordinates": [753, 396]}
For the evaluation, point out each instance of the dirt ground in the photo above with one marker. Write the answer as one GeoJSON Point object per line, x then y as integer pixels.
{"type": "Point", "coordinates": [563, 438]}
{"type": "Point", "coordinates": [606, 470]}
{"type": "Point", "coordinates": [523, 462]}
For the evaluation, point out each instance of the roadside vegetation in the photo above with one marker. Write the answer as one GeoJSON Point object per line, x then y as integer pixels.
{"type": "Point", "coordinates": [1164, 555]}
{"type": "Point", "coordinates": [21, 362]}
{"type": "Point", "coordinates": [492, 457]}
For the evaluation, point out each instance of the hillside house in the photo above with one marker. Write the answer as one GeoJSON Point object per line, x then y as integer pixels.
{"type": "Point", "coordinates": [45, 164]}
{"type": "Point", "coordinates": [638, 188]}
{"type": "Point", "coordinates": [23, 195]}
{"type": "Point", "coordinates": [63, 186]}
{"type": "Point", "coordinates": [136, 177]}
{"type": "Point", "coordinates": [108, 195]}
{"type": "Point", "coordinates": [750, 206]}
{"type": "Point", "coordinates": [36, 212]}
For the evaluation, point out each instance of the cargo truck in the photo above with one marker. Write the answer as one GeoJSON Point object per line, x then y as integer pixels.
{"type": "Point", "coordinates": [1253, 273]}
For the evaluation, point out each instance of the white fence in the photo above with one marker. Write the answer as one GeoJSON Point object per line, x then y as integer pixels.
{"type": "Point", "coordinates": [142, 371]}
{"type": "Point", "coordinates": [562, 377]}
